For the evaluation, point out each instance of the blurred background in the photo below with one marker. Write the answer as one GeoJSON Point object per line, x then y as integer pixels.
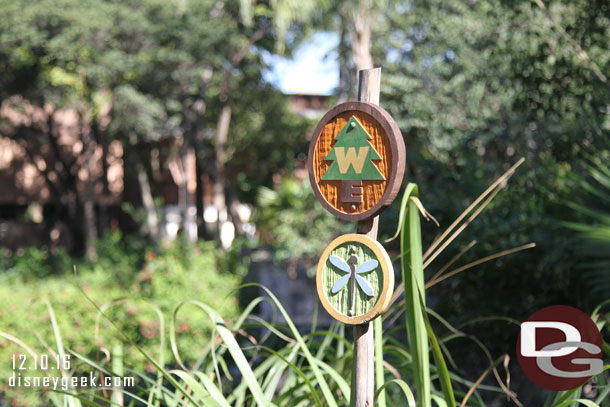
{"type": "Point", "coordinates": [156, 150]}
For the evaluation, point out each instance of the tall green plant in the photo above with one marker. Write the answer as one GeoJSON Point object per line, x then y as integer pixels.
{"type": "Point", "coordinates": [301, 370]}
{"type": "Point", "coordinates": [413, 279]}
{"type": "Point", "coordinates": [419, 330]}
{"type": "Point", "coordinates": [593, 233]}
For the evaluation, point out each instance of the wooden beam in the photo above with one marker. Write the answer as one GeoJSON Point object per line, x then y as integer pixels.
{"type": "Point", "coordinates": [363, 385]}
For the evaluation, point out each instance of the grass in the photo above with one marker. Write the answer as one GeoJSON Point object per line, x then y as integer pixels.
{"type": "Point", "coordinates": [280, 366]}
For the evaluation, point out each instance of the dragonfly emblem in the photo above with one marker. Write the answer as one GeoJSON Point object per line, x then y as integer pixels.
{"type": "Point", "coordinates": [353, 275]}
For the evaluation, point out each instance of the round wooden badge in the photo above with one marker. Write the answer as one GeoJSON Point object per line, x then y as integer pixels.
{"type": "Point", "coordinates": [355, 279]}
{"type": "Point", "coordinates": [356, 160]}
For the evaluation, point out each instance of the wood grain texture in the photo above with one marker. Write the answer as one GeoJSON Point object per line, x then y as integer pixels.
{"type": "Point", "coordinates": [363, 391]}
{"type": "Point", "coordinates": [364, 340]}
{"type": "Point", "coordinates": [372, 191]}
{"type": "Point", "coordinates": [387, 141]}
{"type": "Point", "coordinates": [369, 85]}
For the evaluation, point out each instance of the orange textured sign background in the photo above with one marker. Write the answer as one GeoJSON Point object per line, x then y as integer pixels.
{"type": "Point", "coordinates": [372, 191]}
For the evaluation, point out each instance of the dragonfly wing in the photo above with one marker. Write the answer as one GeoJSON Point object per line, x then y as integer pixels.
{"type": "Point", "coordinates": [340, 283]}
{"type": "Point", "coordinates": [367, 266]}
{"type": "Point", "coordinates": [339, 263]}
{"type": "Point", "coordinates": [364, 285]}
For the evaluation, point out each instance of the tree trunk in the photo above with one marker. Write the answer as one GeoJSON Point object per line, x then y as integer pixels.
{"type": "Point", "coordinates": [187, 190]}
{"type": "Point", "coordinates": [361, 37]}
{"type": "Point", "coordinates": [103, 215]}
{"type": "Point", "coordinates": [233, 208]}
{"type": "Point", "coordinates": [90, 225]}
{"type": "Point", "coordinates": [222, 135]}
{"type": "Point", "coordinates": [194, 115]}
{"type": "Point", "coordinates": [152, 221]}
{"type": "Point", "coordinates": [346, 88]}
{"type": "Point", "coordinates": [202, 232]}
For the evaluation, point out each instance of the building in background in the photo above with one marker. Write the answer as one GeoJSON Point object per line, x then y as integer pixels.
{"type": "Point", "coordinates": [45, 178]}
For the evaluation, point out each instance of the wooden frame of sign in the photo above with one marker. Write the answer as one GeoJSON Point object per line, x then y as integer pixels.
{"type": "Point", "coordinates": [333, 279]}
{"type": "Point", "coordinates": [356, 160]}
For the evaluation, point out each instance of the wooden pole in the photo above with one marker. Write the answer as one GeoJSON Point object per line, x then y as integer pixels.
{"type": "Point", "coordinates": [363, 385]}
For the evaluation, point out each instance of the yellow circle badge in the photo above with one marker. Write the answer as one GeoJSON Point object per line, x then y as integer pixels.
{"type": "Point", "coordinates": [355, 279]}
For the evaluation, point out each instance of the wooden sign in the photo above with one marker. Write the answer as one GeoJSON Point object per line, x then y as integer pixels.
{"type": "Point", "coordinates": [355, 279]}
{"type": "Point", "coordinates": [356, 160]}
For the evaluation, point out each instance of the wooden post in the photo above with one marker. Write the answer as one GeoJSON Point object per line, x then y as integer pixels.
{"type": "Point", "coordinates": [350, 186]}
{"type": "Point", "coordinates": [363, 390]}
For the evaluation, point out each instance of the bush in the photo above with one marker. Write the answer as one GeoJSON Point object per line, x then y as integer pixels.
{"type": "Point", "coordinates": [290, 219]}
{"type": "Point", "coordinates": [131, 279]}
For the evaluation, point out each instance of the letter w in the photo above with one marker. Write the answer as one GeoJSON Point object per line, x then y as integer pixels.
{"type": "Point", "coordinates": [345, 160]}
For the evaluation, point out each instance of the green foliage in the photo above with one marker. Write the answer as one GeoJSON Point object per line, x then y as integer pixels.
{"type": "Point", "coordinates": [415, 297]}
{"type": "Point", "coordinates": [474, 88]}
{"type": "Point", "coordinates": [237, 370]}
{"type": "Point", "coordinates": [265, 139]}
{"type": "Point", "coordinates": [419, 328]}
{"type": "Point", "coordinates": [127, 280]}
{"type": "Point", "coordinates": [496, 76]}
{"type": "Point", "coordinates": [136, 114]}
{"type": "Point", "coordinates": [593, 239]}
{"type": "Point", "coordinates": [282, 366]}
{"type": "Point", "coordinates": [33, 262]}
{"type": "Point", "coordinates": [141, 71]}
{"type": "Point", "coordinates": [291, 220]}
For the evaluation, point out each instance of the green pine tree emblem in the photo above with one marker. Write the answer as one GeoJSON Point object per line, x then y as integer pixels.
{"type": "Point", "coordinates": [352, 155]}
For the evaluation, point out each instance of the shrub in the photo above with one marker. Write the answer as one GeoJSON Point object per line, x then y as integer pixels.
{"type": "Point", "coordinates": [131, 280]}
